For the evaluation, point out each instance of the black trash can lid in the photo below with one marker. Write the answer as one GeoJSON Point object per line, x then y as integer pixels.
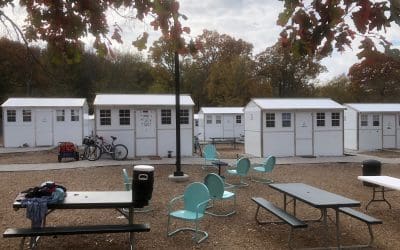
{"type": "Point", "coordinates": [371, 162]}
{"type": "Point", "coordinates": [144, 168]}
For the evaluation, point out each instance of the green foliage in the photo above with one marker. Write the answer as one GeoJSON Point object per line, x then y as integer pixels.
{"type": "Point", "coordinates": [20, 76]}
{"type": "Point", "coordinates": [339, 89]}
{"type": "Point", "coordinates": [286, 72]}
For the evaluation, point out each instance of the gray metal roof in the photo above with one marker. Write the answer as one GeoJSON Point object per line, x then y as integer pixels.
{"type": "Point", "coordinates": [222, 110]}
{"type": "Point", "coordinates": [374, 107]}
{"type": "Point", "coordinates": [297, 104]}
{"type": "Point", "coordinates": [141, 99]}
{"type": "Point", "coordinates": [44, 102]}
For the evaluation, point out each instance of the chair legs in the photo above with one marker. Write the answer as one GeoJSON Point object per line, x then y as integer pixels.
{"type": "Point", "coordinates": [198, 235]}
{"type": "Point", "coordinates": [240, 184]}
{"type": "Point", "coordinates": [232, 212]}
{"type": "Point", "coordinates": [262, 180]}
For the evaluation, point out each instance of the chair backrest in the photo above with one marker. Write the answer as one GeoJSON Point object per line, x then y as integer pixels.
{"type": "Point", "coordinates": [269, 163]}
{"type": "Point", "coordinates": [194, 194]}
{"type": "Point", "coordinates": [127, 181]}
{"type": "Point", "coordinates": [215, 185]}
{"type": "Point", "coordinates": [210, 151]}
{"type": "Point", "coordinates": [243, 166]}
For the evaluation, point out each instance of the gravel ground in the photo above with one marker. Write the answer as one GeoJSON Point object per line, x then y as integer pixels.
{"type": "Point", "coordinates": [239, 231]}
{"type": "Point", "coordinates": [236, 232]}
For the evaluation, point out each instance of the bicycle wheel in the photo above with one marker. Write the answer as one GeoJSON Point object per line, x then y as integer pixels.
{"type": "Point", "coordinates": [120, 152]}
{"type": "Point", "coordinates": [92, 152]}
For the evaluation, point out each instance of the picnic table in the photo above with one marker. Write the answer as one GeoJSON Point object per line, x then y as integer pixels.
{"type": "Point", "coordinates": [384, 183]}
{"type": "Point", "coordinates": [316, 198]}
{"type": "Point", "coordinates": [233, 140]}
{"type": "Point", "coordinates": [92, 200]}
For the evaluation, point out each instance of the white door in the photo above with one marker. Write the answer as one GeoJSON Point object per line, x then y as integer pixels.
{"type": "Point", "coordinates": [228, 126]}
{"type": "Point", "coordinates": [146, 134]}
{"type": "Point", "coordinates": [389, 131]}
{"type": "Point", "coordinates": [44, 128]}
{"type": "Point", "coordinates": [304, 134]}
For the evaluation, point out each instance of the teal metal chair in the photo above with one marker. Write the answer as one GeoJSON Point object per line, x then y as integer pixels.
{"type": "Point", "coordinates": [195, 200]}
{"type": "Point", "coordinates": [128, 187]}
{"type": "Point", "coordinates": [127, 180]}
{"type": "Point", "coordinates": [241, 169]}
{"type": "Point", "coordinates": [210, 154]}
{"type": "Point", "coordinates": [216, 187]}
{"type": "Point", "coordinates": [266, 167]}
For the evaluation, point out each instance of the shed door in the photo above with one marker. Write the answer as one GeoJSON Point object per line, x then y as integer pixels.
{"type": "Point", "coordinates": [146, 133]}
{"type": "Point", "coordinates": [304, 134]}
{"type": "Point", "coordinates": [389, 131]}
{"type": "Point", "coordinates": [228, 126]}
{"type": "Point", "coordinates": [44, 128]}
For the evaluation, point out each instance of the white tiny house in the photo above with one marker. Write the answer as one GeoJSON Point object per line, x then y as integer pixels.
{"type": "Point", "coordinates": [293, 127]}
{"type": "Point", "coordinates": [222, 122]}
{"type": "Point", "coordinates": [38, 122]}
{"type": "Point", "coordinates": [372, 126]}
{"type": "Point", "coordinates": [145, 123]}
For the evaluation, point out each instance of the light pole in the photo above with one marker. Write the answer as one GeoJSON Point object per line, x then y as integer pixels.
{"type": "Point", "coordinates": [178, 175]}
{"type": "Point", "coordinates": [178, 171]}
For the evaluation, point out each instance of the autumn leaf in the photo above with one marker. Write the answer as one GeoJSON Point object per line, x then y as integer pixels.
{"type": "Point", "coordinates": [141, 41]}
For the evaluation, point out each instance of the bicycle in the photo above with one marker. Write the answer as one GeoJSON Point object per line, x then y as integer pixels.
{"type": "Point", "coordinates": [196, 143]}
{"type": "Point", "coordinates": [94, 149]}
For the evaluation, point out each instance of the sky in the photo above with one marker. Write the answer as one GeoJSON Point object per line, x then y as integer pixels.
{"type": "Point", "coordinates": [251, 20]}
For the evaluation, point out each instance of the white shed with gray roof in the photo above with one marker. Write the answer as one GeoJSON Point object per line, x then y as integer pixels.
{"type": "Point", "coordinates": [293, 127]}
{"type": "Point", "coordinates": [220, 122]}
{"type": "Point", "coordinates": [36, 122]}
{"type": "Point", "coordinates": [372, 126]}
{"type": "Point", "coordinates": [145, 123]}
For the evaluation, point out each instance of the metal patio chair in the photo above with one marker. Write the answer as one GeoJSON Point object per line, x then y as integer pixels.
{"type": "Point", "coordinates": [264, 168]}
{"type": "Point", "coordinates": [210, 154]}
{"type": "Point", "coordinates": [195, 199]}
{"type": "Point", "coordinates": [242, 167]}
{"type": "Point", "coordinates": [216, 187]}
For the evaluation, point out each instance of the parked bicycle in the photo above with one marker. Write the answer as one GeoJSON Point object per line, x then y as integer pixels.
{"type": "Point", "coordinates": [95, 146]}
{"type": "Point", "coordinates": [196, 142]}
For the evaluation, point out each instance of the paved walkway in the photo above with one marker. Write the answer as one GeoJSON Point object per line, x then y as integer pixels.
{"type": "Point", "coordinates": [358, 158]}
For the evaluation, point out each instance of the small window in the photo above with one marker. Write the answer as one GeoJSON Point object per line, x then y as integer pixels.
{"type": "Point", "coordinates": [196, 123]}
{"type": "Point", "coordinates": [238, 119]}
{"type": "Point", "coordinates": [124, 117]}
{"type": "Point", "coordinates": [105, 117]}
{"type": "Point", "coordinates": [270, 120]}
{"type": "Point", "coordinates": [74, 115]}
{"type": "Point", "coordinates": [286, 120]}
{"type": "Point", "coordinates": [166, 116]}
{"type": "Point", "coordinates": [364, 120]}
{"type": "Point", "coordinates": [11, 115]}
{"type": "Point", "coordinates": [184, 116]}
{"type": "Point", "coordinates": [209, 119]}
{"type": "Point", "coordinates": [320, 119]}
{"type": "Point", "coordinates": [60, 115]}
{"type": "Point", "coordinates": [218, 119]}
{"type": "Point", "coordinates": [375, 120]}
{"type": "Point", "coordinates": [335, 118]}
{"type": "Point", "coordinates": [26, 115]}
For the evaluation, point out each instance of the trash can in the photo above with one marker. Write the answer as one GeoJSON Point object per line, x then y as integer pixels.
{"type": "Point", "coordinates": [371, 168]}
{"type": "Point", "coordinates": [142, 185]}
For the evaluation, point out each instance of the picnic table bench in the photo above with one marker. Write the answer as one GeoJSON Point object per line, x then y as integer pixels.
{"type": "Point", "coordinates": [279, 213]}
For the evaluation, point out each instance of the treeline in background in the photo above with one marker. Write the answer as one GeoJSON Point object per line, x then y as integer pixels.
{"type": "Point", "coordinates": [223, 72]}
